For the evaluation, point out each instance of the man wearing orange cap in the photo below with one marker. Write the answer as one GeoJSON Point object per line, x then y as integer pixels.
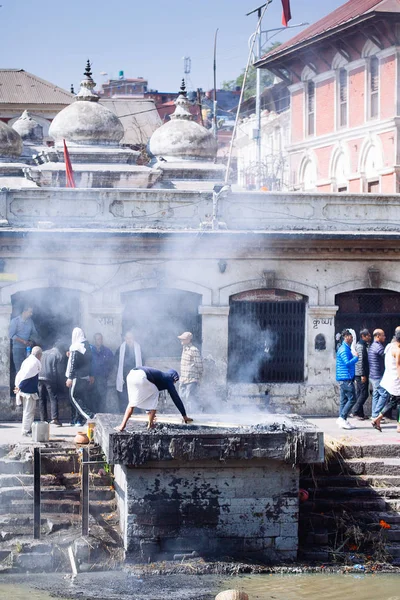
{"type": "Point", "coordinates": [191, 371]}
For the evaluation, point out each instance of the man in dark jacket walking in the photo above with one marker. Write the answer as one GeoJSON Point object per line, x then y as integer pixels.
{"type": "Point", "coordinates": [376, 359]}
{"type": "Point", "coordinates": [345, 373]}
{"type": "Point", "coordinates": [79, 377]}
{"type": "Point", "coordinates": [362, 374]}
{"type": "Point", "coordinates": [51, 379]}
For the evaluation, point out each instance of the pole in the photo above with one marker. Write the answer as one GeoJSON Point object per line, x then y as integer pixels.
{"type": "Point", "coordinates": [85, 491]}
{"type": "Point", "coordinates": [36, 493]}
{"type": "Point", "coordinates": [215, 86]}
{"type": "Point", "coordinates": [228, 166]}
{"type": "Point", "coordinates": [258, 106]}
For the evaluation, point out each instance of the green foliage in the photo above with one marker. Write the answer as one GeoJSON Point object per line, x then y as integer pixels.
{"type": "Point", "coordinates": [250, 88]}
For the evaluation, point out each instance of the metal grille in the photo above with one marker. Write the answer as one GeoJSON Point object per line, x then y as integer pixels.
{"type": "Point", "coordinates": [266, 342]}
{"type": "Point", "coordinates": [370, 309]}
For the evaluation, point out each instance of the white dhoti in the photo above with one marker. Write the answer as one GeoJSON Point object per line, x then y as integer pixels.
{"type": "Point", "coordinates": [28, 408]}
{"type": "Point", "coordinates": [141, 392]}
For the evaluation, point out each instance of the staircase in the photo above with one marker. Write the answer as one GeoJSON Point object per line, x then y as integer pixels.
{"type": "Point", "coordinates": [353, 511]}
{"type": "Point", "coordinates": [60, 508]}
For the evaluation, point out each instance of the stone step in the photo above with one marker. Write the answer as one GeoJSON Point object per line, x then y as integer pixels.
{"type": "Point", "coordinates": [393, 550]}
{"type": "Point", "coordinates": [368, 466]}
{"type": "Point", "coordinates": [340, 493]}
{"type": "Point", "coordinates": [13, 466]}
{"type": "Point", "coordinates": [353, 506]}
{"type": "Point", "coordinates": [4, 450]}
{"type": "Point", "coordinates": [319, 520]}
{"type": "Point", "coordinates": [61, 493]}
{"type": "Point", "coordinates": [369, 451]}
{"type": "Point", "coordinates": [56, 506]}
{"type": "Point", "coordinates": [69, 480]}
{"type": "Point", "coordinates": [375, 481]}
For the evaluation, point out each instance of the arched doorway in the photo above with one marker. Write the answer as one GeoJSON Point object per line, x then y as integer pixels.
{"type": "Point", "coordinates": [158, 315]}
{"type": "Point", "coordinates": [370, 309]}
{"type": "Point", "coordinates": [56, 311]}
{"type": "Point", "coordinates": [266, 337]}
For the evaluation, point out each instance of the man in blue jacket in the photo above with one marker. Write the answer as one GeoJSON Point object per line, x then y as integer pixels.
{"type": "Point", "coordinates": [345, 375]}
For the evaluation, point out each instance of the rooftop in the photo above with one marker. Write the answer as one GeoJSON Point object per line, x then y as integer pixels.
{"type": "Point", "coordinates": [20, 87]}
{"type": "Point", "coordinates": [345, 15]}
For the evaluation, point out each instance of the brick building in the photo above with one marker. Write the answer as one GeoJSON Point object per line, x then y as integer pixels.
{"type": "Point", "coordinates": [342, 74]}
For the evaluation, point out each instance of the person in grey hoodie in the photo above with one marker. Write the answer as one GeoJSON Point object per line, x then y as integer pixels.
{"type": "Point", "coordinates": [376, 359]}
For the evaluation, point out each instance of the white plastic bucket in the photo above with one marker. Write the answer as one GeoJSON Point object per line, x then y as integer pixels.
{"type": "Point", "coordinates": [40, 431]}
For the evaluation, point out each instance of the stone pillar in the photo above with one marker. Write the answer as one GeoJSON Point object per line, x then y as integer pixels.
{"type": "Point", "coordinates": [321, 355]}
{"type": "Point", "coordinates": [7, 409]}
{"type": "Point", "coordinates": [107, 320]}
{"type": "Point", "coordinates": [215, 348]}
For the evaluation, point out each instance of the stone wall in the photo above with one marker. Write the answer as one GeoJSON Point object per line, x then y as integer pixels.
{"type": "Point", "coordinates": [218, 510]}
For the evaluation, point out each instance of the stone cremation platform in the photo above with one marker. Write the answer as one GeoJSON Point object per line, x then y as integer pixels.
{"type": "Point", "coordinates": [215, 488]}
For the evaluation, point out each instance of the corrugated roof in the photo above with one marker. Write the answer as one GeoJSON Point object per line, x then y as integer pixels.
{"type": "Point", "coordinates": [140, 118]}
{"type": "Point", "coordinates": [342, 15]}
{"type": "Point", "coordinates": [20, 87]}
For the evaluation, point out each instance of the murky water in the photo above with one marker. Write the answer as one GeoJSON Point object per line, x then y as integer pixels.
{"type": "Point", "coordinates": [315, 587]}
{"type": "Point", "coordinates": [20, 592]}
{"type": "Point", "coordinates": [262, 587]}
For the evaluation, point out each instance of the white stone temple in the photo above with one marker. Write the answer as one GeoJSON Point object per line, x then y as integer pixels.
{"type": "Point", "coordinates": [264, 296]}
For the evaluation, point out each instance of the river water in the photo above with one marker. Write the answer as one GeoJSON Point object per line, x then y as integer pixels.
{"type": "Point", "coordinates": [258, 587]}
{"type": "Point", "coordinates": [318, 587]}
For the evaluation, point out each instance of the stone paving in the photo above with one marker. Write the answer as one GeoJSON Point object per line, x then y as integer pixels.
{"type": "Point", "coordinates": [364, 434]}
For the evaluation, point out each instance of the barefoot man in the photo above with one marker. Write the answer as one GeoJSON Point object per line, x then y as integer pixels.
{"type": "Point", "coordinates": [144, 385]}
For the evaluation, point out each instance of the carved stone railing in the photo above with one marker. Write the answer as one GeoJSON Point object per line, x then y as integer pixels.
{"type": "Point", "coordinates": [181, 209]}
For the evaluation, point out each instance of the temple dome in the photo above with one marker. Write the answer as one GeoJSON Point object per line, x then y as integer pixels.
{"type": "Point", "coordinates": [85, 122]}
{"type": "Point", "coordinates": [181, 138]}
{"type": "Point", "coordinates": [10, 141]}
{"type": "Point", "coordinates": [29, 129]}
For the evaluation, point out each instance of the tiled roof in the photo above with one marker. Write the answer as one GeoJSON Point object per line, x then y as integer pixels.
{"type": "Point", "coordinates": [342, 15]}
{"type": "Point", "coordinates": [20, 87]}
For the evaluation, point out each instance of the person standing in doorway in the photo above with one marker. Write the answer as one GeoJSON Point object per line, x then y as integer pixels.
{"type": "Point", "coordinates": [103, 360]}
{"type": "Point", "coordinates": [376, 359]}
{"type": "Point", "coordinates": [79, 377]}
{"type": "Point", "coordinates": [345, 374]}
{"type": "Point", "coordinates": [50, 380]}
{"type": "Point", "coordinates": [362, 374]}
{"type": "Point", "coordinates": [22, 333]}
{"type": "Point", "coordinates": [128, 357]}
{"type": "Point", "coordinates": [191, 371]}
{"type": "Point", "coordinates": [26, 388]}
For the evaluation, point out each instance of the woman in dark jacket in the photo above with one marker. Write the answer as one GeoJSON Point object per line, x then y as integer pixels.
{"type": "Point", "coordinates": [79, 377]}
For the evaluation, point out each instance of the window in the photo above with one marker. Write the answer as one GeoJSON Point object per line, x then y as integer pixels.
{"type": "Point", "coordinates": [373, 187]}
{"type": "Point", "coordinates": [342, 189]}
{"type": "Point", "coordinates": [342, 98]}
{"type": "Point", "coordinates": [373, 87]}
{"type": "Point", "coordinates": [310, 108]}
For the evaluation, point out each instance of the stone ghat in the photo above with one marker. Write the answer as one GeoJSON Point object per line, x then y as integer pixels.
{"type": "Point", "coordinates": [216, 488]}
{"type": "Point", "coordinates": [211, 437]}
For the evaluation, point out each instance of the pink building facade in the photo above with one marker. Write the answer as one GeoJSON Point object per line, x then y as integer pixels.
{"type": "Point", "coordinates": [343, 73]}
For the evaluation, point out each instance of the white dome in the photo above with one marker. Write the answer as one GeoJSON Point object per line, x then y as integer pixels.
{"type": "Point", "coordinates": [10, 141]}
{"type": "Point", "coordinates": [29, 129]}
{"type": "Point", "coordinates": [181, 138]}
{"type": "Point", "coordinates": [85, 122]}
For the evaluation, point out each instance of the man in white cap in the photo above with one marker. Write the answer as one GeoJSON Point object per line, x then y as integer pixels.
{"type": "Point", "coordinates": [191, 371]}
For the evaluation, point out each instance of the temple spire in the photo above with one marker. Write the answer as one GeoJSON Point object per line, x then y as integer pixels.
{"type": "Point", "coordinates": [86, 91]}
{"type": "Point", "coordinates": [182, 90]}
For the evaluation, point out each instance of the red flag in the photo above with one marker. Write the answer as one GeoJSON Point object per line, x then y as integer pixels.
{"type": "Point", "coordinates": [69, 174]}
{"type": "Point", "coordinates": [286, 14]}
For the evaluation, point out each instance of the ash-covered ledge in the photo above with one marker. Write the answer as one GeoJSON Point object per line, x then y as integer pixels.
{"type": "Point", "coordinates": [278, 437]}
{"type": "Point", "coordinates": [222, 490]}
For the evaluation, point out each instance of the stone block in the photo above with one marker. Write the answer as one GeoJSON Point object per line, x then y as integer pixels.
{"type": "Point", "coordinates": [286, 543]}
{"type": "Point", "coordinates": [288, 529]}
{"type": "Point", "coordinates": [33, 561]}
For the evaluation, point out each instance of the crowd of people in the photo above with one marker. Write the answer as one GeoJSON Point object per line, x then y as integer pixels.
{"type": "Point", "coordinates": [364, 367]}
{"type": "Point", "coordinates": [85, 370]}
